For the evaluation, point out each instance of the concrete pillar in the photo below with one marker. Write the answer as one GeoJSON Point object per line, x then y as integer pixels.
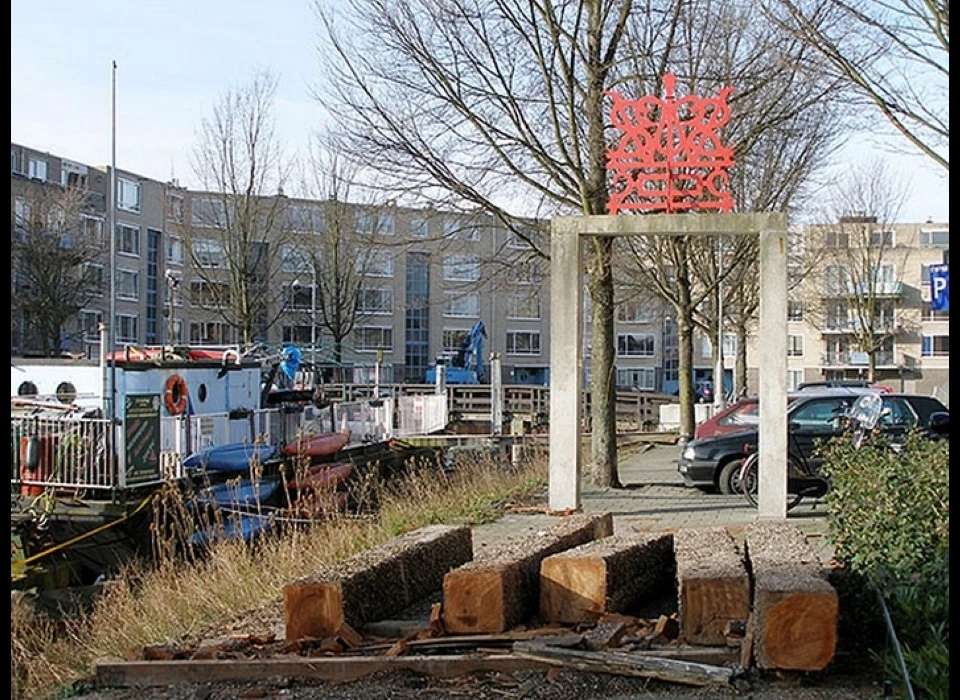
{"type": "Point", "coordinates": [772, 497]}
{"type": "Point", "coordinates": [496, 395]}
{"type": "Point", "coordinates": [566, 338]}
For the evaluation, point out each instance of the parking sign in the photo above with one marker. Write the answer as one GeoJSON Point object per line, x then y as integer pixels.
{"type": "Point", "coordinates": [940, 287]}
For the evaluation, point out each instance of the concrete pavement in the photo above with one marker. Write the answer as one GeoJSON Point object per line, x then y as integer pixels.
{"type": "Point", "coordinates": [654, 499]}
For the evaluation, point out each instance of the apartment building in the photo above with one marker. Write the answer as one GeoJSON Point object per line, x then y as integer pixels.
{"type": "Point", "coordinates": [428, 276]}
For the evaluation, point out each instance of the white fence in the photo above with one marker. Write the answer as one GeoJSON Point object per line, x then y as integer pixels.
{"type": "Point", "coordinates": [421, 415]}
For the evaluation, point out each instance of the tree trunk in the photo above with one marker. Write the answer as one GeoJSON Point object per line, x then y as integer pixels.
{"type": "Point", "coordinates": [603, 447]}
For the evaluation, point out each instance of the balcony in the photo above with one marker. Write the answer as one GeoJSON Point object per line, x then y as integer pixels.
{"type": "Point", "coordinates": [844, 359]}
{"type": "Point", "coordinates": [882, 288]}
{"type": "Point", "coordinates": [855, 325]}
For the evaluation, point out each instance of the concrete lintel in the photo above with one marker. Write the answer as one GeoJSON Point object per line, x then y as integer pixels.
{"type": "Point", "coordinates": [691, 224]}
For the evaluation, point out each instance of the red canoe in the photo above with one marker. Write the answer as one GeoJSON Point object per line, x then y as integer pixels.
{"type": "Point", "coordinates": [322, 445]}
{"type": "Point", "coordinates": [322, 477]}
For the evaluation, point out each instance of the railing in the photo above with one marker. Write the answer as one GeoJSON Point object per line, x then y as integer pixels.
{"type": "Point", "coordinates": [60, 452]}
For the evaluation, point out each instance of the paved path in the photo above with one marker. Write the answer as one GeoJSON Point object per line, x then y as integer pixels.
{"type": "Point", "coordinates": [654, 499]}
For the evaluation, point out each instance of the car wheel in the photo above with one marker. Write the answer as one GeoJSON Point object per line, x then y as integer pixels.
{"type": "Point", "coordinates": [729, 481]}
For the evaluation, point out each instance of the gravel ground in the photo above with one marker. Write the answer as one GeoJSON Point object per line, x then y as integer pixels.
{"type": "Point", "coordinates": [562, 685]}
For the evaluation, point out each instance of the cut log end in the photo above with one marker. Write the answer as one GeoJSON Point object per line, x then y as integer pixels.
{"type": "Point", "coordinates": [572, 591]}
{"type": "Point", "coordinates": [800, 632]}
{"type": "Point", "coordinates": [312, 610]}
{"type": "Point", "coordinates": [473, 602]}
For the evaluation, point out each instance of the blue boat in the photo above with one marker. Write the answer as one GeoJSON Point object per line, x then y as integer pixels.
{"type": "Point", "coordinates": [239, 494]}
{"type": "Point", "coordinates": [235, 457]}
{"type": "Point", "coordinates": [245, 525]}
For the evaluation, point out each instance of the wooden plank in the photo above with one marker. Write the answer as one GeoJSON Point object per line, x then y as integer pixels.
{"type": "Point", "coordinates": [795, 609]}
{"type": "Point", "coordinates": [142, 674]}
{"type": "Point", "coordinates": [628, 664]}
{"type": "Point", "coordinates": [607, 575]}
{"type": "Point", "coordinates": [502, 586]}
{"type": "Point", "coordinates": [375, 583]}
{"type": "Point", "coordinates": [712, 582]}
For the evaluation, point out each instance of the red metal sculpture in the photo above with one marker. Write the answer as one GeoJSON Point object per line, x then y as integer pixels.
{"type": "Point", "coordinates": [669, 157]}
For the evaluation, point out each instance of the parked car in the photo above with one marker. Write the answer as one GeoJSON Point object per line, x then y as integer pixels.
{"type": "Point", "coordinates": [712, 463]}
{"type": "Point", "coordinates": [744, 412]}
{"type": "Point", "coordinates": [843, 383]}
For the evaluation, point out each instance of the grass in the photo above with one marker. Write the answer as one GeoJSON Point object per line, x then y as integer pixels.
{"type": "Point", "coordinates": [176, 598]}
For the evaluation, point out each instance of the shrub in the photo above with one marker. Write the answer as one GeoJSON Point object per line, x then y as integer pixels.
{"type": "Point", "coordinates": [889, 524]}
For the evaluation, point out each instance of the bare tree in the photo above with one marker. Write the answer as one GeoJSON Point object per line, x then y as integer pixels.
{"type": "Point", "coordinates": [894, 55]}
{"type": "Point", "coordinates": [354, 245]}
{"type": "Point", "coordinates": [781, 128]}
{"type": "Point", "coordinates": [234, 228]}
{"type": "Point", "coordinates": [856, 289]}
{"type": "Point", "coordinates": [57, 257]}
{"type": "Point", "coordinates": [463, 101]}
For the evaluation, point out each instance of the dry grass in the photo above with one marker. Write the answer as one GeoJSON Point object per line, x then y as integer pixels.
{"type": "Point", "coordinates": [179, 596]}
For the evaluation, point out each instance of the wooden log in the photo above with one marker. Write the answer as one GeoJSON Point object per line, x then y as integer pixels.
{"type": "Point", "coordinates": [627, 664]}
{"type": "Point", "coordinates": [607, 575]}
{"type": "Point", "coordinates": [713, 587]}
{"type": "Point", "coordinates": [795, 609]}
{"type": "Point", "coordinates": [501, 587]}
{"type": "Point", "coordinates": [142, 674]}
{"type": "Point", "coordinates": [375, 583]}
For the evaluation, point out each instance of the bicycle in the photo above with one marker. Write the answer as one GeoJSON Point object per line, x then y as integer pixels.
{"type": "Point", "coordinates": [803, 479]}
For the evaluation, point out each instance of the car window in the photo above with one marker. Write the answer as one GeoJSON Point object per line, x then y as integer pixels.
{"type": "Point", "coordinates": [744, 415]}
{"type": "Point", "coordinates": [897, 413]}
{"type": "Point", "coordinates": [820, 413]}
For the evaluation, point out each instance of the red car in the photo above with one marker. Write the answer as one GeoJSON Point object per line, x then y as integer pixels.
{"type": "Point", "coordinates": [742, 413]}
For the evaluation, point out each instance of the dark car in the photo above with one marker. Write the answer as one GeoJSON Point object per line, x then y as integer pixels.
{"type": "Point", "coordinates": [712, 463]}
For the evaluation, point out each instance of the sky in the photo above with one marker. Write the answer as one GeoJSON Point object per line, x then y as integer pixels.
{"type": "Point", "coordinates": [176, 58]}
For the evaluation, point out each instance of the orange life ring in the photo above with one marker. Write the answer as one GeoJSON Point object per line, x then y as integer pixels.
{"type": "Point", "coordinates": [175, 395]}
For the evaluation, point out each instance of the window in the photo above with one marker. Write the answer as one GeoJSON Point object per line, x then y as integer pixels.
{"type": "Point", "coordinates": [637, 378]}
{"type": "Point", "coordinates": [298, 297]}
{"type": "Point", "coordinates": [128, 330]}
{"type": "Point", "coordinates": [93, 273]}
{"type": "Point", "coordinates": [451, 228]}
{"type": "Point", "coordinates": [935, 345]}
{"type": "Point", "coordinates": [935, 238]}
{"type": "Point", "coordinates": [295, 259]}
{"type": "Point", "coordinates": [371, 338]}
{"type": "Point", "coordinates": [633, 311]}
{"type": "Point", "coordinates": [729, 344]}
{"type": "Point", "coordinates": [174, 251]}
{"type": "Point", "coordinates": [523, 306]}
{"type": "Point", "coordinates": [301, 335]}
{"type": "Point", "coordinates": [460, 305]}
{"type": "Point", "coordinates": [177, 298]}
{"type": "Point", "coordinates": [37, 168]}
{"type": "Point", "coordinates": [881, 239]}
{"type": "Point", "coordinates": [794, 346]}
{"type": "Point", "coordinates": [838, 239]}
{"type": "Point", "coordinates": [209, 295]}
{"type": "Point", "coordinates": [461, 268]}
{"type": "Point", "coordinates": [208, 253]}
{"type": "Point", "coordinates": [378, 263]}
{"type": "Point", "coordinates": [527, 272]}
{"type": "Point", "coordinates": [73, 174]}
{"type": "Point", "coordinates": [635, 345]}
{"type": "Point", "coordinates": [836, 280]}
{"type": "Point", "coordinates": [822, 413]}
{"type": "Point", "coordinates": [208, 212]}
{"type": "Point", "coordinates": [23, 212]}
{"type": "Point", "coordinates": [706, 346]}
{"type": "Point", "coordinates": [418, 228]}
{"type": "Point", "coordinates": [515, 241]}
{"type": "Point", "coordinates": [795, 310]}
{"type": "Point", "coordinates": [128, 195]}
{"type": "Point", "coordinates": [523, 342]}
{"type": "Point", "coordinates": [375, 223]}
{"type": "Point", "coordinates": [90, 325]}
{"type": "Point", "coordinates": [305, 219]}
{"type": "Point", "coordinates": [453, 338]}
{"type": "Point", "coordinates": [174, 208]}
{"type": "Point", "coordinates": [794, 379]}
{"type": "Point", "coordinates": [128, 240]}
{"type": "Point", "coordinates": [472, 231]}
{"type": "Point", "coordinates": [375, 301]}
{"type": "Point", "coordinates": [91, 228]}
{"type": "Point", "coordinates": [15, 166]}
{"type": "Point", "coordinates": [930, 315]}
{"type": "Point", "coordinates": [128, 285]}
{"type": "Point", "coordinates": [210, 333]}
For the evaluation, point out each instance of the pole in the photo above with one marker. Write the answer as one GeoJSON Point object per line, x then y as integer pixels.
{"type": "Point", "coordinates": [112, 322]}
{"type": "Point", "coordinates": [718, 383]}
{"type": "Point", "coordinates": [313, 317]}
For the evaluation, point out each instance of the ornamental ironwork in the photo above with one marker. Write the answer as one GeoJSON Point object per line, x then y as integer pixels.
{"type": "Point", "coordinates": [669, 157]}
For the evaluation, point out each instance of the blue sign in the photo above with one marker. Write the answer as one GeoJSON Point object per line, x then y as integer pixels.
{"type": "Point", "coordinates": [940, 287]}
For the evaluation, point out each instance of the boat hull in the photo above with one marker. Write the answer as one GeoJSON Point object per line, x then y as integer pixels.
{"type": "Point", "coordinates": [318, 445]}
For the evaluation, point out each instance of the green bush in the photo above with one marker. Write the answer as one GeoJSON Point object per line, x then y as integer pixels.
{"type": "Point", "coordinates": [889, 524]}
